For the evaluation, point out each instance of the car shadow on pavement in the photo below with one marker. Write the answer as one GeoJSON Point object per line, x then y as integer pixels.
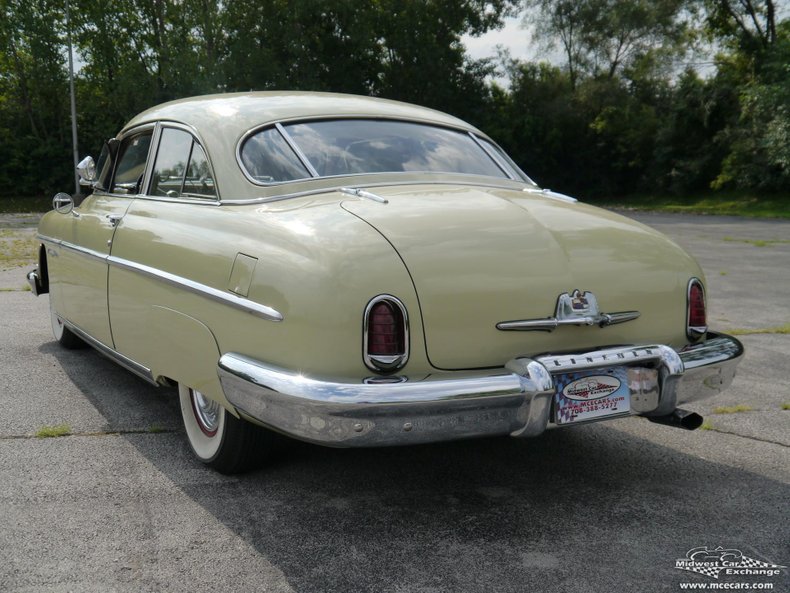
{"type": "Point", "coordinates": [591, 508]}
{"type": "Point", "coordinates": [127, 402]}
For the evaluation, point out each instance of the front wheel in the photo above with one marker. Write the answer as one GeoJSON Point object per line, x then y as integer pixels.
{"type": "Point", "coordinates": [64, 336]}
{"type": "Point", "coordinates": [219, 439]}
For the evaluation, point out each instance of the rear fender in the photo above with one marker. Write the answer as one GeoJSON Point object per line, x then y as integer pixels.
{"type": "Point", "coordinates": [184, 349]}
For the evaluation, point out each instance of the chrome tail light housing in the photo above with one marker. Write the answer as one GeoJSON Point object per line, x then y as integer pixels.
{"type": "Point", "coordinates": [385, 334]}
{"type": "Point", "coordinates": [696, 315]}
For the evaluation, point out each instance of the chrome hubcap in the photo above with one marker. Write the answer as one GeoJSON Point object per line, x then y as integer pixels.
{"type": "Point", "coordinates": [206, 412]}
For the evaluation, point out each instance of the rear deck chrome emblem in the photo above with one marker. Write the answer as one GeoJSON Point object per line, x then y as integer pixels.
{"type": "Point", "coordinates": [575, 308]}
{"type": "Point", "coordinates": [577, 304]}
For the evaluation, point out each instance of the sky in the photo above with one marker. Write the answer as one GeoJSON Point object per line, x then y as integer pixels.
{"type": "Point", "coordinates": [511, 36]}
{"type": "Point", "coordinates": [521, 46]}
{"type": "Point", "coordinates": [517, 40]}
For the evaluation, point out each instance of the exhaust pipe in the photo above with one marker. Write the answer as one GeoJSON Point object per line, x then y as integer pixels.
{"type": "Point", "coordinates": [680, 418]}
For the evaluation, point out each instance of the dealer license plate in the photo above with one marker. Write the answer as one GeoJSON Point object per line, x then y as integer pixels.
{"type": "Point", "coordinates": [591, 395]}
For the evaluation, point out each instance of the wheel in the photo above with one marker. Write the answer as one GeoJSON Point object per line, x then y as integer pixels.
{"type": "Point", "coordinates": [219, 439]}
{"type": "Point", "coordinates": [63, 335]}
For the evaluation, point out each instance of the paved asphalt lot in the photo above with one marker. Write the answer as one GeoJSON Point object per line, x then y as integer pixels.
{"type": "Point", "coordinates": [122, 506]}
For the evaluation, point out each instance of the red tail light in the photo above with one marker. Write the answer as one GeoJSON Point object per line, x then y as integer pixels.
{"type": "Point", "coordinates": [386, 334]}
{"type": "Point", "coordinates": [696, 325]}
{"type": "Point", "coordinates": [385, 330]}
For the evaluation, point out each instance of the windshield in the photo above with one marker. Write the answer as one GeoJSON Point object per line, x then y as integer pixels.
{"type": "Point", "coordinates": [350, 147]}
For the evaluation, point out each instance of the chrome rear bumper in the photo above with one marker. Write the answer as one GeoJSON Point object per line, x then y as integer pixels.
{"type": "Point", "coordinates": [514, 400]}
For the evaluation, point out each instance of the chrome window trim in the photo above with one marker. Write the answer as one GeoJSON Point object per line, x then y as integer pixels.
{"type": "Point", "coordinates": [491, 155]}
{"type": "Point", "coordinates": [508, 160]}
{"type": "Point", "coordinates": [146, 190]}
{"type": "Point", "coordinates": [314, 174]}
{"type": "Point", "coordinates": [297, 150]}
{"type": "Point", "coordinates": [228, 298]}
{"type": "Point", "coordinates": [379, 363]}
{"type": "Point", "coordinates": [153, 152]}
{"type": "Point", "coordinates": [153, 126]}
{"type": "Point", "coordinates": [695, 332]}
{"type": "Point", "coordinates": [192, 201]}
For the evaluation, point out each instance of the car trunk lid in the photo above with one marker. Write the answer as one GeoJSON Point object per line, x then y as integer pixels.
{"type": "Point", "coordinates": [479, 256]}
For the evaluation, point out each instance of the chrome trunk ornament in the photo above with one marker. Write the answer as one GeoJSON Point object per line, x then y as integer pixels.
{"type": "Point", "coordinates": [576, 308]}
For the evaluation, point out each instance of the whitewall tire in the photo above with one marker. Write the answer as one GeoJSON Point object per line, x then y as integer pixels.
{"type": "Point", "coordinates": [63, 335]}
{"type": "Point", "coordinates": [219, 439]}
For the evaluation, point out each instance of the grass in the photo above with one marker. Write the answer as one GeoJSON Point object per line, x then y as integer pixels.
{"type": "Point", "coordinates": [18, 248]}
{"type": "Point", "coordinates": [155, 429]}
{"type": "Point", "coordinates": [779, 329]}
{"type": "Point", "coordinates": [732, 409]}
{"type": "Point", "coordinates": [34, 204]}
{"type": "Point", "coordinates": [49, 432]}
{"type": "Point", "coordinates": [706, 426]}
{"type": "Point", "coordinates": [757, 242]}
{"type": "Point", "coordinates": [722, 203]}
{"type": "Point", "coordinates": [786, 406]}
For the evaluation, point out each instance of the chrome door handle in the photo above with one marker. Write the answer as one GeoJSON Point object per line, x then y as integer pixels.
{"type": "Point", "coordinates": [114, 218]}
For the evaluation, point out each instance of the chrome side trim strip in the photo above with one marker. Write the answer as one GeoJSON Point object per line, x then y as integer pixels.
{"type": "Point", "coordinates": [226, 298]}
{"type": "Point", "coordinates": [141, 371]}
{"type": "Point", "coordinates": [549, 324]}
{"type": "Point", "coordinates": [71, 246]}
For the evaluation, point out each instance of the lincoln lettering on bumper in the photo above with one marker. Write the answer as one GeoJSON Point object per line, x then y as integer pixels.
{"type": "Point", "coordinates": [514, 400]}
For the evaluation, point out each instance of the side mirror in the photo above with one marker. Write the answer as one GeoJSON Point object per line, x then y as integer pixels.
{"type": "Point", "coordinates": [87, 171]}
{"type": "Point", "coordinates": [63, 203]}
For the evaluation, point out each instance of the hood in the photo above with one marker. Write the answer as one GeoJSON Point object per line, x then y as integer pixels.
{"type": "Point", "coordinates": [480, 256]}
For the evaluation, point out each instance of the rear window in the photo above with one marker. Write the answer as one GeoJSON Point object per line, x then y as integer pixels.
{"type": "Point", "coordinates": [350, 147]}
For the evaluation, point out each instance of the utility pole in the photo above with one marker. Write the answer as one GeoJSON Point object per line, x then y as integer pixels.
{"type": "Point", "coordinates": [73, 102]}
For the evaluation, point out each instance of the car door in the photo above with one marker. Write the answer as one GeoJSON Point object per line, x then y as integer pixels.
{"type": "Point", "coordinates": [93, 227]}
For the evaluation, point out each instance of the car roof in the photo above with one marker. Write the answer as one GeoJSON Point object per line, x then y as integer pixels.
{"type": "Point", "coordinates": [237, 113]}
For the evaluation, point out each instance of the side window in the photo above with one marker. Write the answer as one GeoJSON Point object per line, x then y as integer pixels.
{"type": "Point", "coordinates": [171, 163]}
{"type": "Point", "coordinates": [198, 180]}
{"type": "Point", "coordinates": [131, 164]}
{"type": "Point", "coordinates": [103, 167]}
{"type": "Point", "coordinates": [268, 158]}
{"type": "Point", "coordinates": [181, 167]}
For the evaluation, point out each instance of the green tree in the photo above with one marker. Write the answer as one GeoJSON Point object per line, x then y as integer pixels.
{"type": "Point", "coordinates": [757, 56]}
{"type": "Point", "coordinates": [34, 131]}
{"type": "Point", "coordinates": [603, 37]}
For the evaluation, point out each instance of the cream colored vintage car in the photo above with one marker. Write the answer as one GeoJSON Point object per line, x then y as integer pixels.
{"type": "Point", "coordinates": [359, 272]}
